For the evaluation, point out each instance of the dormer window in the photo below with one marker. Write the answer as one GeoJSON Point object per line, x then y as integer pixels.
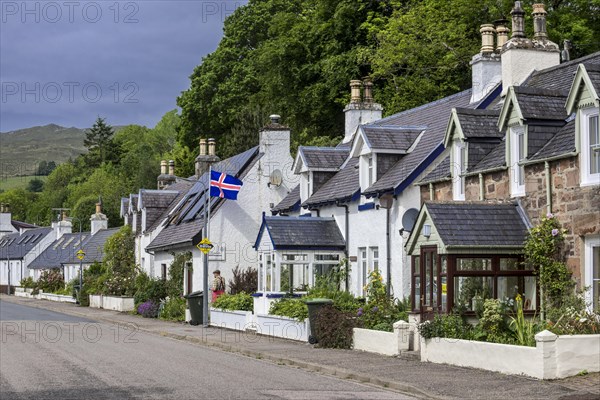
{"type": "Point", "coordinates": [459, 170]}
{"type": "Point", "coordinates": [590, 147]}
{"type": "Point", "coordinates": [517, 155]}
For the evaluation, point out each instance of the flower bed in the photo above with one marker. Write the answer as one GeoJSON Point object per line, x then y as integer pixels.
{"type": "Point", "coordinates": [553, 356]}
{"type": "Point", "coordinates": [231, 319]}
{"type": "Point", "coordinates": [283, 327]}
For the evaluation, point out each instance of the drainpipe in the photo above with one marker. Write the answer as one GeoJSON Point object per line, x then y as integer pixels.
{"type": "Point", "coordinates": [346, 251]}
{"type": "Point", "coordinates": [481, 191]}
{"type": "Point", "coordinates": [548, 187]}
{"type": "Point", "coordinates": [430, 191]}
{"type": "Point", "coordinates": [388, 286]}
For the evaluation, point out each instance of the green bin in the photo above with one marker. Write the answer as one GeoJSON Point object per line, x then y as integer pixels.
{"type": "Point", "coordinates": [314, 305]}
{"type": "Point", "coordinates": [195, 304]}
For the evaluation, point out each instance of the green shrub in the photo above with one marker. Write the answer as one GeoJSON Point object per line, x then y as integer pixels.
{"type": "Point", "coordinates": [244, 280]}
{"type": "Point", "coordinates": [93, 282]}
{"type": "Point", "coordinates": [240, 301]}
{"type": "Point", "coordinates": [176, 273]}
{"type": "Point", "coordinates": [149, 289]}
{"type": "Point", "coordinates": [446, 326]}
{"type": "Point", "coordinates": [334, 328]}
{"type": "Point", "coordinates": [27, 283]}
{"type": "Point", "coordinates": [173, 309]}
{"type": "Point", "coordinates": [290, 307]}
{"type": "Point", "coordinates": [380, 311]}
{"type": "Point", "coordinates": [50, 281]}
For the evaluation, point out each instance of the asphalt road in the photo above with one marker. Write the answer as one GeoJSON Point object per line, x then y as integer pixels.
{"type": "Point", "coordinates": [48, 355]}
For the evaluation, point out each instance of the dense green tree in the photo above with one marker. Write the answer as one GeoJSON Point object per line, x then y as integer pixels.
{"type": "Point", "coordinates": [98, 140]}
{"type": "Point", "coordinates": [19, 201]}
{"type": "Point", "coordinates": [35, 185]}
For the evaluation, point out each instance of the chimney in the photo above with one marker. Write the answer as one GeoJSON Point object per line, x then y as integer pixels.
{"type": "Point", "coordinates": [539, 22]}
{"type": "Point", "coordinates": [204, 160]}
{"type": "Point", "coordinates": [274, 143]}
{"type": "Point", "coordinates": [172, 167]}
{"type": "Point", "coordinates": [360, 111]}
{"type": "Point", "coordinates": [486, 70]}
{"type": "Point", "coordinates": [5, 220]}
{"type": "Point", "coordinates": [167, 175]}
{"type": "Point", "coordinates": [520, 55]}
{"type": "Point", "coordinates": [98, 220]}
{"type": "Point", "coordinates": [565, 54]}
{"type": "Point", "coordinates": [163, 167]}
{"type": "Point", "coordinates": [63, 226]}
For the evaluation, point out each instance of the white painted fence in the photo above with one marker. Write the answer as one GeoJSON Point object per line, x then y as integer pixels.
{"type": "Point", "coordinates": [236, 320]}
{"type": "Point", "coordinates": [115, 303]}
{"type": "Point", "coordinates": [553, 357]}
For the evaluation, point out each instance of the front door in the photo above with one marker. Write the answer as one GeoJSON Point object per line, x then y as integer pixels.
{"type": "Point", "coordinates": [429, 278]}
{"type": "Point", "coordinates": [592, 261]}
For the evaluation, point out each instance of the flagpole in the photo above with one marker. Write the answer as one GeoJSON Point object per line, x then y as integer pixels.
{"type": "Point", "coordinates": [205, 263]}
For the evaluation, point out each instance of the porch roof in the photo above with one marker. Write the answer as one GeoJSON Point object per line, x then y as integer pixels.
{"type": "Point", "coordinates": [302, 233]}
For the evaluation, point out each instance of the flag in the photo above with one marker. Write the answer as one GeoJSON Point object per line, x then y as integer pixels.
{"type": "Point", "coordinates": [224, 186]}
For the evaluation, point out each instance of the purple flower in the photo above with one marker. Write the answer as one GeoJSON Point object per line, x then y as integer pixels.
{"type": "Point", "coordinates": [359, 313]}
{"type": "Point", "coordinates": [554, 232]}
{"type": "Point", "coordinates": [375, 309]}
{"type": "Point", "coordinates": [549, 215]}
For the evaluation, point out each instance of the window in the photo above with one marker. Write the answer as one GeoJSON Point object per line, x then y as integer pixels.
{"type": "Point", "coordinates": [416, 283]}
{"type": "Point", "coordinates": [370, 170]}
{"type": "Point", "coordinates": [163, 271]}
{"type": "Point", "coordinates": [375, 258]}
{"type": "Point", "coordinates": [294, 273]}
{"type": "Point", "coordinates": [590, 147]}
{"type": "Point", "coordinates": [459, 169]}
{"type": "Point", "coordinates": [592, 272]}
{"type": "Point", "coordinates": [517, 155]}
{"type": "Point", "coordinates": [308, 184]}
{"type": "Point", "coordinates": [324, 263]}
{"type": "Point", "coordinates": [368, 262]}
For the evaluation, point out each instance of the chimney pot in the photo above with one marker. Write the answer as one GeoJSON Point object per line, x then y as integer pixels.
{"type": "Point", "coordinates": [355, 91]}
{"type": "Point", "coordinates": [163, 167]}
{"type": "Point", "coordinates": [539, 22]}
{"type": "Point", "coordinates": [202, 147]}
{"type": "Point", "coordinates": [487, 38]}
{"type": "Point", "coordinates": [518, 21]}
{"type": "Point", "coordinates": [501, 34]}
{"type": "Point", "coordinates": [64, 215]}
{"type": "Point", "coordinates": [275, 118]}
{"type": "Point", "coordinates": [171, 167]}
{"type": "Point", "coordinates": [211, 147]}
{"type": "Point", "coordinates": [98, 208]}
{"type": "Point", "coordinates": [368, 98]}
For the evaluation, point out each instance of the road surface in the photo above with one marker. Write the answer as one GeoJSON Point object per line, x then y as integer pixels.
{"type": "Point", "coordinates": [48, 355]}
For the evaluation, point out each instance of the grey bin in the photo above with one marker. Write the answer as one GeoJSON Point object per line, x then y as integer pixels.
{"type": "Point", "coordinates": [195, 300]}
{"type": "Point", "coordinates": [314, 305]}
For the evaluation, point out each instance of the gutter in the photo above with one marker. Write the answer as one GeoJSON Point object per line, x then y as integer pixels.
{"type": "Point", "coordinates": [553, 158]}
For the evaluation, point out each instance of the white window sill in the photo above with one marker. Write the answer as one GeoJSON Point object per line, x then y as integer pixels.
{"type": "Point", "coordinates": [590, 182]}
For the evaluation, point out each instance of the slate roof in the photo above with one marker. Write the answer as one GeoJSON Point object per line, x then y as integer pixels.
{"type": "Point", "coordinates": [59, 250]}
{"type": "Point", "coordinates": [560, 77]}
{"type": "Point", "coordinates": [435, 117]}
{"type": "Point", "coordinates": [185, 221]}
{"type": "Point", "coordinates": [182, 188]}
{"type": "Point", "coordinates": [391, 137]}
{"type": "Point", "coordinates": [291, 202]}
{"type": "Point", "coordinates": [22, 225]}
{"type": "Point", "coordinates": [93, 247]}
{"type": "Point", "coordinates": [342, 187]}
{"type": "Point", "coordinates": [562, 143]}
{"type": "Point", "coordinates": [288, 233]}
{"type": "Point", "coordinates": [544, 104]}
{"type": "Point", "coordinates": [495, 159]}
{"type": "Point", "coordinates": [440, 173]}
{"type": "Point", "coordinates": [478, 224]}
{"type": "Point", "coordinates": [593, 71]}
{"type": "Point", "coordinates": [156, 202]}
{"type": "Point", "coordinates": [15, 246]}
{"type": "Point", "coordinates": [479, 124]}
{"type": "Point", "coordinates": [323, 157]}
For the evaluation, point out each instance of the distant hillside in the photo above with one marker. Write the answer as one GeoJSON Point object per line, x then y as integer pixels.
{"type": "Point", "coordinates": [22, 150]}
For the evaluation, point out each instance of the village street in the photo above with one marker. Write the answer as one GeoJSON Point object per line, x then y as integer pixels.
{"type": "Point", "coordinates": [97, 355]}
{"type": "Point", "coordinates": [49, 355]}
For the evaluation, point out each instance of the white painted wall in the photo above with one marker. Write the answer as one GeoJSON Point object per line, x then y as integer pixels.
{"type": "Point", "coordinates": [517, 64]}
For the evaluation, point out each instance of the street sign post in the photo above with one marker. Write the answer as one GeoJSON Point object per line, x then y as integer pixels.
{"type": "Point", "coordinates": [205, 246]}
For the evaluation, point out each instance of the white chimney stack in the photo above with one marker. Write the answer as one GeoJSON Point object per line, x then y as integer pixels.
{"type": "Point", "coordinates": [98, 220]}
{"type": "Point", "coordinates": [486, 70]}
{"type": "Point", "coordinates": [361, 109]}
{"type": "Point", "coordinates": [63, 226]}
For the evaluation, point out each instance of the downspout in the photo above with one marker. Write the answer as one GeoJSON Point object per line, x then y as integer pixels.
{"type": "Point", "coordinates": [548, 187]}
{"type": "Point", "coordinates": [431, 191]}
{"type": "Point", "coordinates": [481, 191]}
{"type": "Point", "coordinates": [346, 251]}
{"type": "Point", "coordinates": [388, 286]}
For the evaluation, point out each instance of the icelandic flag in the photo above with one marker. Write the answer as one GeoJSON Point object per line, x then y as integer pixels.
{"type": "Point", "coordinates": [224, 186]}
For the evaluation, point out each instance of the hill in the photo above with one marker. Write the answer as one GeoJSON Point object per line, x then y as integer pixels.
{"type": "Point", "coordinates": [22, 150]}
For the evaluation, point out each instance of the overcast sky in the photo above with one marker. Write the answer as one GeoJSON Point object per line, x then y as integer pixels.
{"type": "Point", "coordinates": [66, 62]}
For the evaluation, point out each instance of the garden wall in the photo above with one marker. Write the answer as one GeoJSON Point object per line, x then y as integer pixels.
{"type": "Point", "coordinates": [236, 320]}
{"type": "Point", "coordinates": [553, 357]}
{"type": "Point", "coordinates": [283, 327]}
{"type": "Point", "coordinates": [386, 343]}
{"type": "Point", "coordinates": [112, 302]}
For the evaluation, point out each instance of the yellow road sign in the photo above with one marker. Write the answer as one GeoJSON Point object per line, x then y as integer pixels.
{"type": "Point", "coordinates": [80, 254]}
{"type": "Point", "coordinates": [205, 246]}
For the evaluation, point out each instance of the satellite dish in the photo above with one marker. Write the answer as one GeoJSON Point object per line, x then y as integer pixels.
{"type": "Point", "coordinates": [409, 218]}
{"type": "Point", "coordinates": [276, 178]}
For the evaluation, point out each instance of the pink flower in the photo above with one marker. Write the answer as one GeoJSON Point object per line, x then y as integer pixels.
{"type": "Point", "coordinates": [549, 215]}
{"type": "Point", "coordinates": [554, 232]}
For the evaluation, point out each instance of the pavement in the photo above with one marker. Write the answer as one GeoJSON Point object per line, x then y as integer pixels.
{"type": "Point", "coordinates": [401, 374]}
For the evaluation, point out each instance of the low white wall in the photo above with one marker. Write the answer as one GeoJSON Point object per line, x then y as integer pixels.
{"type": "Point", "coordinates": [112, 302]}
{"type": "Point", "coordinates": [386, 343]}
{"type": "Point", "coordinates": [236, 320]}
{"type": "Point", "coordinates": [56, 297]}
{"type": "Point", "coordinates": [283, 327]}
{"type": "Point", "coordinates": [553, 357]}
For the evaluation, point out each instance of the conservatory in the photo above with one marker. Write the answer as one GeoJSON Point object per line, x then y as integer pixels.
{"type": "Point", "coordinates": [292, 253]}
{"type": "Point", "coordinates": [464, 253]}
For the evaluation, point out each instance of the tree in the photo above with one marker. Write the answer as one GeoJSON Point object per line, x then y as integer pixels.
{"type": "Point", "coordinates": [35, 185]}
{"type": "Point", "coordinates": [19, 201]}
{"type": "Point", "coordinates": [98, 139]}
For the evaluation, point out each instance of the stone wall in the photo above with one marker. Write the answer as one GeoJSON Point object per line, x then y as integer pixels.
{"type": "Point", "coordinates": [442, 191]}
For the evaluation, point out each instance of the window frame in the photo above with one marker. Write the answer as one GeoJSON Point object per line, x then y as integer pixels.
{"type": "Point", "coordinates": [518, 137]}
{"type": "Point", "coordinates": [587, 177]}
{"type": "Point", "coordinates": [460, 161]}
